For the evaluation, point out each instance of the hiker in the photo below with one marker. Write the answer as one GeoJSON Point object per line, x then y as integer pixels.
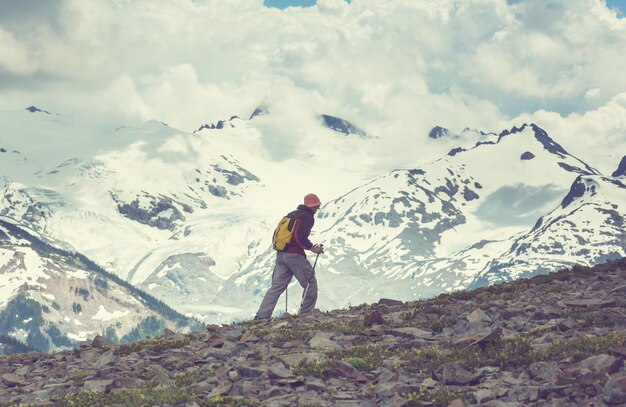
{"type": "Point", "coordinates": [290, 240]}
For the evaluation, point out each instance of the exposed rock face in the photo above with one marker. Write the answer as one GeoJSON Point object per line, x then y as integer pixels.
{"type": "Point", "coordinates": [550, 340]}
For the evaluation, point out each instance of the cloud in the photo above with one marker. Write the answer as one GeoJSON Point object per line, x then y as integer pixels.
{"type": "Point", "coordinates": [394, 68]}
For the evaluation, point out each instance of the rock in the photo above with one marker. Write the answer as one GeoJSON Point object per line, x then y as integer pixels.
{"type": "Point", "coordinates": [376, 330]}
{"type": "Point", "coordinates": [545, 371]}
{"type": "Point", "coordinates": [315, 385]}
{"type": "Point", "coordinates": [385, 375]}
{"type": "Point", "coordinates": [373, 318]}
{"type": "Point", "coordinates": [489, 338]}
{"type": "Point", "coordinates": [410, 332]}
{"type": "Point", "coordinates": [478, 316]}
{"type": "Point", "coordinates": [233, 334]}
{"type": "Point", "coordinates": [108, 358]}
{"type": "Point", "coordinates": [249, 337]}
{"type": "Point", "coordinates": [215, 341]}
{"type": "Point", "coordinates": [223, 388]}
{"type": "Point", "coordinates": [279, 371]}
{"type": "Point", "coordinates": [12, 380]}
{"type": "Point", "coordinates": [614, 391]}
{"type": "Point", "coordinates": [389, 302]}
{"type": "Point", "coordinates": [293, 359]}
{"type": "Point", "coordinates": [619, 351]}
{"type": "Point", "coordinates": [483, 395]}
{"type": "Point", "coordinates": [602, 364]}
{"type": "Point", "coordinates": [100, 386]}
{"type": "Point", "coordinates": [590, 303]}
{"type": "Point", "coordinates": [247, 371]}
{"type": "Point", "coordinates": [340, 369]}
{"type": "Point", "coordinates": [429, 383]}
{"type": "Point", "coordinates": [99, 342]}
{"type": "Point", "coordinates": [453, 373]}
{"type": "Point", "coordinates": [387, 389]}
{"type": "Point", "coordinates": [319, 342]}
{"type": "Point", "coordinates": [457, 403]}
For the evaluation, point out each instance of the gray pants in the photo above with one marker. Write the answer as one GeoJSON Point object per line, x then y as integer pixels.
{"type": "Point", "coordinates": [288, 265]}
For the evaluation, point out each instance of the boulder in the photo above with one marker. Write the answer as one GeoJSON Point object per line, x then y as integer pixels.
{"type": "Point", "coordinates": [373, 318]}
{"type": "Point", "coordinates": [340, 369]}
{"type": "Point", "coordinates": [320, 341]}
{"type": "Point", "coordinates": [410, 332]}
{"type": "Point", "coordinates": [12, 380]}
{"type": "Point", "coordinates": [293, 359]}
{"type": "Point", "coordinates": [100, 386]}
{"type": "Point", "coordinates": [389, 302]}
{"type": "Point", "coordinates": [602, 364]}
{"type": "Point", "coordinates": [478, 317]}
{"type": "Point", "coordinates": [614, 391]}
{"type": "Point", "coordinates": [279, 371]}
{"type": "Point", "coordinates": [452, 373]}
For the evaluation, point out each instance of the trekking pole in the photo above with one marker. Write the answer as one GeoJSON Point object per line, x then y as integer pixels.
{"type": "Point", "coordinates": [309, 282]}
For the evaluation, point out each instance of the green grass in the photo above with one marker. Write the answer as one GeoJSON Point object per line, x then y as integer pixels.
{"type": "Point", "coordinates": [513, 352]}
{"type": "Point", "coordinates": [439, 397]}
{"type": "Point", "coordinates": [294, 332]}
{"type": "Point", "coordinates": [156, 344]}
{"type": "Point", "coordinates": [148, 397]}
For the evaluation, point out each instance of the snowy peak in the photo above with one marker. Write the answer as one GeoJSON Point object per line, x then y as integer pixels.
{"type": "Point", "coordinates": [34, 109]}
{"type": "Point", "coordinates": [261, 110]}
{"type": "Point", "coordinates": [341, 125]}
{"type": "Point", "coordinates": [438, 132]}
{"type": "Point", "coordinates": [621, 169]}
{"type": "Point", "coordinates": [219, 125]}
{"type": "Point", "coordinates": [587, 187]}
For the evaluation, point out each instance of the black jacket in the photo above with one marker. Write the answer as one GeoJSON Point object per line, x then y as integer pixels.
{"type": "Point", "coordinates": [303, 225]}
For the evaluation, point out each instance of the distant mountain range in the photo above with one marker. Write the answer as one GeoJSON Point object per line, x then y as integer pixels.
{"type": "Point", "coordinates": [186, 218]}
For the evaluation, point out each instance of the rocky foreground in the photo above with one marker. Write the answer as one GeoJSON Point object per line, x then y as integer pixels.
{"type": "Point", "coordinates": [554, 340]}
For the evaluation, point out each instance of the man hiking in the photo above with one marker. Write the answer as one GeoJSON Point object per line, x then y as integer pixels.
{"type": "Point", "coordinates": [290, 240]}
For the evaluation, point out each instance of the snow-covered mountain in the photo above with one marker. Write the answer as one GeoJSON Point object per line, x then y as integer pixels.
{"type": "Point", "coordinates": [589, 227]}
{"type": "Point", "coordinates": [169, 211]}
{"type": "Point", "coordinates": [52, 299]}
{"type": "Point", "coordinates": [454, 222]}
{"type": "Point", "coordinates": [187, 216]}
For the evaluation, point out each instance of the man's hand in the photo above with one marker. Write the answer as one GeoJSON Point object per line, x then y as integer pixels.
{"type": "Point", "coordinates": [318, 248]}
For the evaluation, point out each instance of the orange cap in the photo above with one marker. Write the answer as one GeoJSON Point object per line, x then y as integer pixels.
{"type": "Point", "coordinates": [311, 201]}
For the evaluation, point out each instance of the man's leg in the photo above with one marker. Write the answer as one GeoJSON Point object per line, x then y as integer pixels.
{"type": "Point", "coordinates": [280, 281]}
{"type": "Point", "coordinates": [304, 273]}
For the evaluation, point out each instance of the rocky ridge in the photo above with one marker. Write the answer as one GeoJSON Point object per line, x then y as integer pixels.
{"type": "Point", "coordinates": [556, 339]}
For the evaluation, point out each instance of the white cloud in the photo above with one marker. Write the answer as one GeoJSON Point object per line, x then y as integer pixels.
{"type": "Point", "coordinates": [596, 136]}
{"type": "Point", "coordinates": [14, 56]}
{"type": "Point", "coordinates": [395, 68]}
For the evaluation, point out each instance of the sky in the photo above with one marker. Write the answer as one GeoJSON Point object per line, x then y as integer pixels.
{"type": "Point", "coordinates": [395, 68]}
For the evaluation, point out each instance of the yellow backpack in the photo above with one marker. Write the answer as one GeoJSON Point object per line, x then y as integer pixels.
{"type": "Point", "coordinates": [284, 232]}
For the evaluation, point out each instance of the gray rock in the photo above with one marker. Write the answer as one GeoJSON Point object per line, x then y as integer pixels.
{"type": "Point", "coordinates": [602, 364]}
{"type": "Point", "coordinates": [545, 371]}
{"type": "Point", "coordinates": [12, 380]}
{"type": "Point", "coordinates": [321, 342]}
{"type": "Point", "coordinates": [478, 316]}
{"type": "Point", "coordinates": [453, 373]}
{"type": "Point", "coordinates": [340, 369]}
{"type": "Point", "coordinates": [614, 392]}
{"type": "Point", "coordinates": [410, 332]}
{"type": "Point", "coordinates": [100, 386]}
{"type": "Point", "coordinates": [293, 359]}
{"type": "Point", "coordinates": [107, 359]}
{"type": "Point", "coordinates": [247, 371]}
{"type": "Point", "coordinates": [373, 318]}
{"type": "Point", "coordinates": [279, 371]}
